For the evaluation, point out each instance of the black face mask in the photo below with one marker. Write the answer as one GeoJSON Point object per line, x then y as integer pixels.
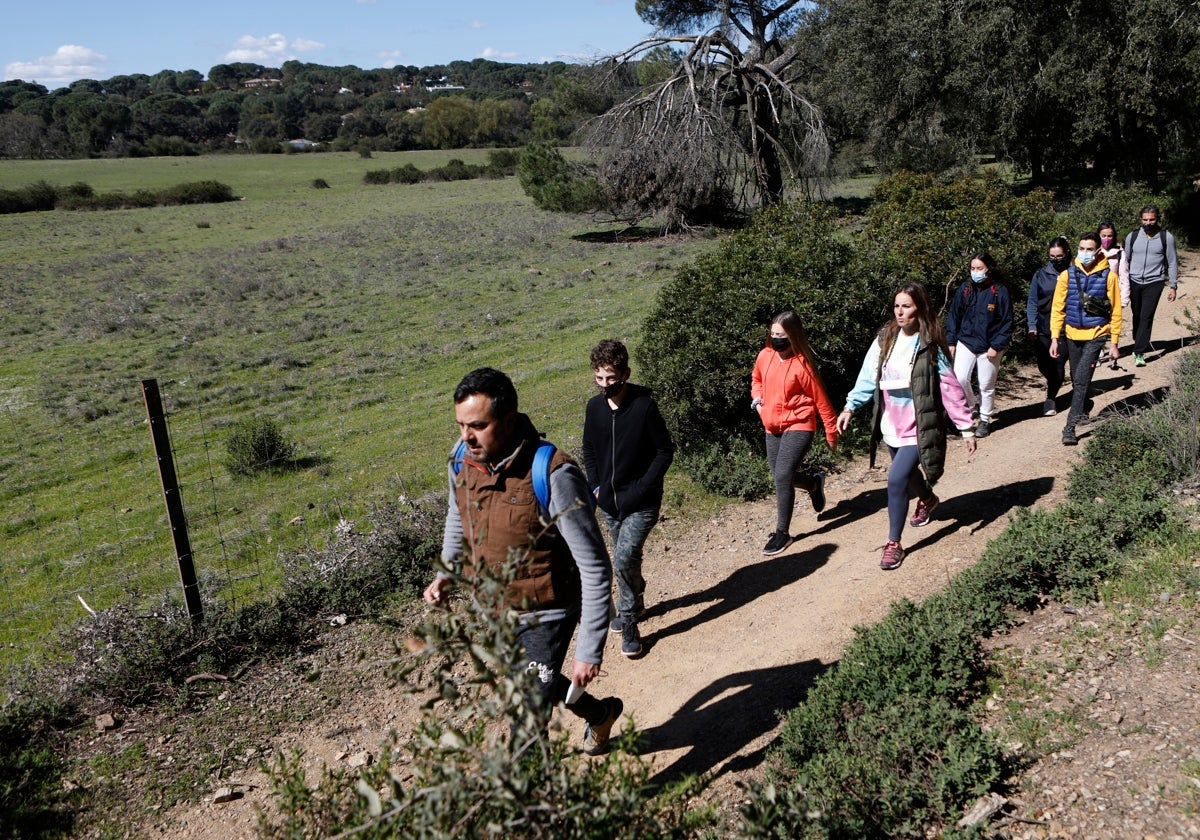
{"type": "Point", "coordinates": [1060, 264]}
{"type": "Point", "coordinates": [613, 388]}
{"type": "Point", "coordinates": [781, 344]}
{"type": "Point", "coordinates": [1150, 230]}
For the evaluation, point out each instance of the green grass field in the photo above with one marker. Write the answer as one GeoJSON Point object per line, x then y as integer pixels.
{"type": "Point", "coordinates": [347, 315]}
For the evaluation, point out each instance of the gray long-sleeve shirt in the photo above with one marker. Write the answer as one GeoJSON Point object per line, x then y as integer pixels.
{"type": "Point", "coordinates": [576, 523]}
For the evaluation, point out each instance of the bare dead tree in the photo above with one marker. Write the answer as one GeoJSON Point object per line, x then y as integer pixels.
{"type": "Point", "coordinates": [727, 130]}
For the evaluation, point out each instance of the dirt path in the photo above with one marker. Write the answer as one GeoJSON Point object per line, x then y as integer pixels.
{"type": "Point", "coordinates": [733, 636]}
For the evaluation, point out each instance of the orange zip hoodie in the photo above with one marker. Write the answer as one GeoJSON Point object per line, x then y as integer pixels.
{"type": "Point", "coordinates": [791, 395]}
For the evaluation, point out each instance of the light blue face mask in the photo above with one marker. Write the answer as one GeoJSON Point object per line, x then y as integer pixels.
{"type": "Point", "coordinates": [1086, 257]}
{"type": "Point", "coordinates": [978, 276]}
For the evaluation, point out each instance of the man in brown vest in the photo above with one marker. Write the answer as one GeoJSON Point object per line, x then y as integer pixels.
{"type": "Point", "coordinates": [565, 577]}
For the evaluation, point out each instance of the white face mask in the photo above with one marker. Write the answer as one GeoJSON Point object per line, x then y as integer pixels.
{"type": "Point", "coordinates": [978, 276]}
{"type": "Point", "coordinates": [1086, 257]}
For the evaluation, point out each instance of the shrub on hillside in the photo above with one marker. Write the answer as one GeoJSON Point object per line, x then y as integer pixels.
{"type": "Point", "coordinates": [407, 174]}
{"type": "Point", "coordinates": [926, 229]}
{"type": "Point", "coordinates": [556, 184]}
{"type": "Point", "coordinates": [197, 192]}
{"type": "Point", "coordinates": [885, 743]}
{"type": "Point", "coordinates": [710, 321]}
{"type": "Point", "coordinates": [356, 568]}
{"type": "Point", "coordinates": [501, 163]}
{"type": "Point", "coordinates": [454, 170]}
{"type": "Point", "coordinates": [257, 444]}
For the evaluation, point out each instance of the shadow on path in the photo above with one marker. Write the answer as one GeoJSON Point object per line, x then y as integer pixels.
{"type": "Point", "coordinates": [740, 588]}
{"type": "Point", "coordinates": [725, 716]}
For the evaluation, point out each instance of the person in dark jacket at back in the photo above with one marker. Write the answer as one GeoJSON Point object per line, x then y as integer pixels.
{"type": "Point", "coordinates": [626, 452]}
{"type": "Point", "coordinates": [1037, 312]}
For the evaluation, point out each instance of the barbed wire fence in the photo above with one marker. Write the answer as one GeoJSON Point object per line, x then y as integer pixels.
{"type": "Point", "coordinates": [84, 521]}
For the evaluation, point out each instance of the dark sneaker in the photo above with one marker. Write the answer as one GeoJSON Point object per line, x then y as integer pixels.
{"type": "Point", "coordinates": [1048, 408]}
{"type": "Point", "coordinates": [924, 511]}
{"type": "Point", "coordinates": [596, 735]}
{"type": "Point", "coordinates": [778, 542]}
{"type": "Point", "coordinates": [631, 639]}
{"type": "Point", "coordinates": [983, 429]}
{"type": "Point", "coordinates": [1069, 438]}
{"type": "Point", "coordinates": [893, 556]}
{"type": "Point", "coordinates": [817, 494]}
{"type": "Point", "coordinates": [617, 625]}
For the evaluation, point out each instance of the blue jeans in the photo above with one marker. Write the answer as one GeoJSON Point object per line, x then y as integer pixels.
{"type": "Point", "coordinates": [628, 537]}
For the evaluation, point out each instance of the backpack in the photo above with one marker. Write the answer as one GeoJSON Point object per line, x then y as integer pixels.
{"type": "Point", "coordinates": [541, 471]}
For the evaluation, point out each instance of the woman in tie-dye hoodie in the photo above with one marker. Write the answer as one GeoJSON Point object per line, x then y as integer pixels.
{"type": "Point", "coordinates": [907, 374]}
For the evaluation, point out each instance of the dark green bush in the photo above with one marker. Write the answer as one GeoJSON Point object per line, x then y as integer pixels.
{"type": "Point", "coordinates": [378, 177]}
{"type": "Point", "coordinates": [501, 163]}
{"type": "Point", "coordinates": [454, 170]}
{"type": "Point", "coordinates": [898, 772]}
{"type": "Point", "coordinates": [556, 184]}
{"type": "Point", "coordinates": [926, 229]}
{"type": "Point", "coordinates": [710, 321]}
{"type": "Point", "coordinates": [257, 444]}
{"type": "Point", "coordinates": [197, 192]}
{"type": "Point", "coordinates": [407, 174]}
{"type": "Point", "coordinates": [885, 744]}
{"type": "Point", "coordinates": [1112, 201]}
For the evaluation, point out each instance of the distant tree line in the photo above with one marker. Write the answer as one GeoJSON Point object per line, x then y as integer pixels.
{"type": "Point", "coordinates": [258, 108]}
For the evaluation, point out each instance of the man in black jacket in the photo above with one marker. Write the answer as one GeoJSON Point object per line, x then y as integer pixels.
{"type": "Point", "coordinates": [626, 452]}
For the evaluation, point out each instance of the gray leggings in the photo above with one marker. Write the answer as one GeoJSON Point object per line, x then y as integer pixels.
{"type": "Point", "coordinates": [784, 453]}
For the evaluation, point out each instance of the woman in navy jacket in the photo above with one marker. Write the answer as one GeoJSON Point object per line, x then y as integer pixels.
{"type": "Point", "coordinates": [978, 329]}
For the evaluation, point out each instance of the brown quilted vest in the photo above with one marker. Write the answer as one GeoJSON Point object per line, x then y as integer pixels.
{"type": "Point", "coordinates": [500, 511]}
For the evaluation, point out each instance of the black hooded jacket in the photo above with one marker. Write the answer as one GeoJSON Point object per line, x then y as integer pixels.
{"type": "Point", "coordinates": [626, 452]}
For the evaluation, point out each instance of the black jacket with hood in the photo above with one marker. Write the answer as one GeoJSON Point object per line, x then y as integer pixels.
{"type": "Point", "coordinates": [626, 452]}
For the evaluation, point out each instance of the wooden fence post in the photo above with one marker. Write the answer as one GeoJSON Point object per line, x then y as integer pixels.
{"type": "Point", "coordinates": [170, 484]}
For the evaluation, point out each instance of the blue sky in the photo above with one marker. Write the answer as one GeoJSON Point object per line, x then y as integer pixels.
{"type": "Point", "coordinates": [55, 42]}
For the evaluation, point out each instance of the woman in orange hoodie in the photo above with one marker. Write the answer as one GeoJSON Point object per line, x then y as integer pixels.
{"type": "Point", "coordinates": [787, 392]}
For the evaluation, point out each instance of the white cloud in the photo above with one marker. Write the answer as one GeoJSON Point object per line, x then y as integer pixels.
{"type": "Point", "coordinates": [68, 63]}
{"type": "Point", "coordinates": [274, 48]}
{"type": "Point", "coordinates": [477, 24]}
{"type": "Point", "coordinates": [497, 55]}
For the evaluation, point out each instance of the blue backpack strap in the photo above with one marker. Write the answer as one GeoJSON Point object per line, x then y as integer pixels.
{"type": "Point", "coordinates": [541, 474]}
{"type": "Point", "coordinates": [456, 457]}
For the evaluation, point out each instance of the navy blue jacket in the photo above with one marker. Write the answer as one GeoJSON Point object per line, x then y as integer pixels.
{"type": "Point", "coordinates": [980, 317]}
{"type": "Point", "coordinates": [1041, 299]}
